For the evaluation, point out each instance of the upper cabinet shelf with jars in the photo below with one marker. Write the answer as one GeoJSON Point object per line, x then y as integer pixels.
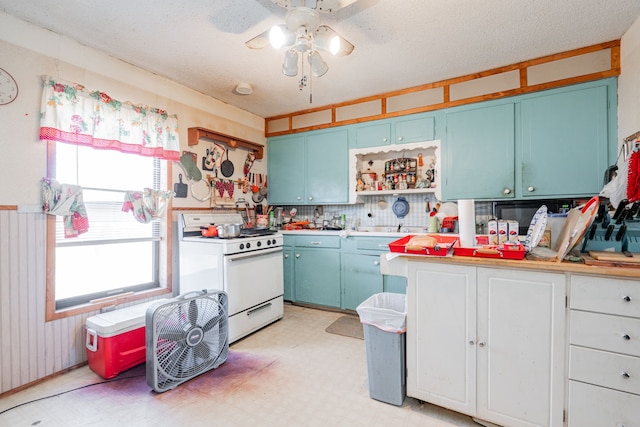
{"type": "Point", "coordinates": [395, 169]}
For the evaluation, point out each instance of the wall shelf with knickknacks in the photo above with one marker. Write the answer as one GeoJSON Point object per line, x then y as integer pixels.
{"type": "Point", "coordinates": [395, 169]}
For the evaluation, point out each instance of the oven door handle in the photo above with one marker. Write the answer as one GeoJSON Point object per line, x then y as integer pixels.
{"type": "Point", "coordinates": [253, 254]}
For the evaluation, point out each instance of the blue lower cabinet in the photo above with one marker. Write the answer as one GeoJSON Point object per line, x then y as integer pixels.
{"type": "Point", "coordinates": [317, 276]}
{"type": "Point", "coordinates": [362, 278]}
{"type": "Point", "coordinates": [395, 284]}
{"type": "Point", "coordinates": [287, 259]}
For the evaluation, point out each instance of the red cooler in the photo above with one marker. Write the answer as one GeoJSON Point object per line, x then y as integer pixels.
{"type": "Point", "coordinates": [116, 340]}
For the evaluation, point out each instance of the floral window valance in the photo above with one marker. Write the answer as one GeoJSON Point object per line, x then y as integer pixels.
{"type": "Point", "coordinates": [72, 114]}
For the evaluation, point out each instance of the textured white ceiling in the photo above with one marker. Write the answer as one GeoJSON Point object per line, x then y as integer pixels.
{"type": "Point", "coordinates": [399, 43]}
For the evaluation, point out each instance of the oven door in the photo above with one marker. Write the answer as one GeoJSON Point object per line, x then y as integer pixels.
{"type": "Point", "coordinates": [253, 278]}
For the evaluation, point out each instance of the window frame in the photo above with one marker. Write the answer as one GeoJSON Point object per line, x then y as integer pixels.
{"type": "Point", "coordinates": [164, 260]}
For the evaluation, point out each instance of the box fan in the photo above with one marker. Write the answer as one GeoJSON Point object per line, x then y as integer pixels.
{"type": "Point", "coordinates": [185, 336]}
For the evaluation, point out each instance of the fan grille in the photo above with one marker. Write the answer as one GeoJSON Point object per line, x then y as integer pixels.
{"type": "Point", "coordinates": [185, 338]}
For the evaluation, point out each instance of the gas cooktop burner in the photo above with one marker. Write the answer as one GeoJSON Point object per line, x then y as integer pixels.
{"type": "Point", "coordinates": [257, 232]}
{"type": "Point", "coordinates": [247, 232]}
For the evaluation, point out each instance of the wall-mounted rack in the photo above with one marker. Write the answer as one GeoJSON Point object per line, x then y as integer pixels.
{"type": "Point", "coordinates": [195, 134]}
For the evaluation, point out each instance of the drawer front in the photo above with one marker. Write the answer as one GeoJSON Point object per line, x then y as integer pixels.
{"type": "Point", "coordinates": [604, 295]}
{"type": "Point", "coordinates": [605, 332]}
{"type": "Point", "coordinates": [374, 243]}
{"type": "Point", "coordinates": [597, 406]}
{"type": "Point", "coordinates": [318, 241]}
{"type": "Point", "coordinates": [602, 368]}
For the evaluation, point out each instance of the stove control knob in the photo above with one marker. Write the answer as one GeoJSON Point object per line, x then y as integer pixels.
{"type": "Point", "coordinates": [248, 245]}
{"type": "Point", "coordinates": [241, 245]}
{"type": "Point", "coordinates": [259, 243]}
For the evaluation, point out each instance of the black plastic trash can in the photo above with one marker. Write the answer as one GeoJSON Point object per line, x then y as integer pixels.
{"type": "Point", "coordinates": [384, 319]}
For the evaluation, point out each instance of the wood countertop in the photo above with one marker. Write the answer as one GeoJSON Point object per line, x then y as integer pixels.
{"type": "Point", "coordinates": [560, 267]}
{"type": "Point", "coordinates": [610, 269]}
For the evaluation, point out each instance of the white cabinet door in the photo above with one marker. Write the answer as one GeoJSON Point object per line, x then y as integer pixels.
{"type": "Point", "coordinates": [520, 355]}
{"type": "Point", "coordinates": [441, 323]}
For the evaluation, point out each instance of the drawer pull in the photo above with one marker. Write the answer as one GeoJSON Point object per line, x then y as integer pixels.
{"type": "Point", "coordinates": [315, 243]}
{"type": "Point", "coordinates": [625, 375]}
{"type": "Point", "coordinates": [626, 298]}
{"type": "Point", "coordinates": [626, 337]}
{"type": "Point", "coordinates": [481, 343]}
{"type": "Point", "coordinates": [376, 262]}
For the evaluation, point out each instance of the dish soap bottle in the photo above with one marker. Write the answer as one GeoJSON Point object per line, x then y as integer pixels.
{"type": "Point", "coordinates": [272, 221]}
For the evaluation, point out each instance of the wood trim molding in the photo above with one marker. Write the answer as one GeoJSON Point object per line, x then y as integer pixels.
{"type": "Point", "coordinates": [8, 207]}
{"type": "Point", "coordinates": [521, 67]}
{"type": "Point", "coordinates": [195, 134]}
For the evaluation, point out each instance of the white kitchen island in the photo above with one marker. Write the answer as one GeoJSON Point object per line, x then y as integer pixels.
{"type": "Point", "coordinates": [491, 338]}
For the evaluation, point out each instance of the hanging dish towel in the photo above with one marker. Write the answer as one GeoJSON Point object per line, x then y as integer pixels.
{"type": "Point", "coordinates": [633, 181]}
{"type": "Point", "coordinates": [146, 205]}
{"type": "Point", "coordinates": [65, 200]}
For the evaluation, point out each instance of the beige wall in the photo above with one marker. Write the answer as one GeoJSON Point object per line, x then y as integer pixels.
{"type": "Point", "coordinates": [28, 52]}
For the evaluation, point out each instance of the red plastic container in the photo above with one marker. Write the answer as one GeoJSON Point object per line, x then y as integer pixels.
{"type": "Point", "coordinates": [506, 251]}
{"type": "Point", "coordinates": [115, 341]}
{"type": "Point", "coordinates": [443, 246]}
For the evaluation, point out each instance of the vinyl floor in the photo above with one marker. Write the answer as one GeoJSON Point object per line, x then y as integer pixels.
{"type": "Point", "coordinates": [291, 373]}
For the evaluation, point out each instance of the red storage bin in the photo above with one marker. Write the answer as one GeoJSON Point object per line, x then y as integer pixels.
{"type": "Point", "coordinates": [115, 341]}
{"type": "Point", "coordinates": [443, 246]}
{"type": "Point", "coordinates": [506, 251]}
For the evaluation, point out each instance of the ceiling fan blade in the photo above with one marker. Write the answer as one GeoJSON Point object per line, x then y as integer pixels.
{"type": "Point", "coordinates": [324, 6]}
{"type": "Point", "coordinates": [328, 6]}
{"type": "Point", "coordinates": [322, 40]}
{"type": "Point", "coordinates": [287, 38]}
{"type": "Point", "coordinates": [259, 41]}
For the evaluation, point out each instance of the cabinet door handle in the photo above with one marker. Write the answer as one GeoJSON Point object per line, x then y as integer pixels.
{"type": "Point", "coordinates": [626, 337]}
{"type": "Point", "coordinates": [299, 198]}
{"type": "Point", "coordinates": [286, 256]}
{"type": "Point", "coordinates": [384, 139]}
{"type": "Point", "coordinates": [400, 138]}
{"type": "Point", "coordinates": [625, 375]}
{"type": "Point", "coordinates": [310, 198]}
{"type": "Point", "coordinates": [376, 262]}
{"type": "Point", "coordinates": [297, 255]}
{"type": "Point", "coordinates": [530, 189]}
{"type": "Point", "coordinates": [471, 342]}
{"type": "Point", "coordinates": [507, 191]}
{"type": "Point", "coordinates": [481, 343]}
{"type": "Point", "coordinates": [626, 298]}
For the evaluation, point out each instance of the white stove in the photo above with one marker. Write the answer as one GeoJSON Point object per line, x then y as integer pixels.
{"type": "Point", "coordinates": [248, 268]}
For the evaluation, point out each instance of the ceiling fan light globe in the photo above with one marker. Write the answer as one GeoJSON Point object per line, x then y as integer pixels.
{"type": "Point", "coordinates": [290, 64]}
{"type": "Point", "coordinates": [334, 45]}
{"type": "Point", "coordinates": [318, 67]}
{"type": "Point", "coordinates": [281, 36]}
{"type": "Point", "coordinates": [276, 36]}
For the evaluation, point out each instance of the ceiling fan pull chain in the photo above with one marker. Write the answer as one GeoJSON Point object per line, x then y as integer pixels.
{"type": "Point", "coordinates": [311, 88]}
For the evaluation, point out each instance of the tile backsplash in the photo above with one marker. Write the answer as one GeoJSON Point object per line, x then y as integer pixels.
{"type": "Point", "coordinates": [377, 211]}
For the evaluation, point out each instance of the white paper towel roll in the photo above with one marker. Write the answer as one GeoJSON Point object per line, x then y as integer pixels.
{"type": "Point", "coordinates": [467, 223]}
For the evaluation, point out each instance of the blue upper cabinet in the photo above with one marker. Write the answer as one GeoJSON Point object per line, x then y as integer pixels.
{"type": "Point", "coordinates": [400, 130]}
{"type": "Point", "coordinates": [327, 171]}
{"type": "Point", "coordinates": [309, 168]}
{"type": "Point", "coordinates": [564, 142]}
{"type": "Point", "coordinates": [285, 168]}
{"type": "Point", "coordinates": [479, 153]}
{"type": "Point", "coordinates": [373, 135]}
{"type": "Point", "coordinates": [414, 129]}
{"type": "Point", "coordinates": [555, 143]}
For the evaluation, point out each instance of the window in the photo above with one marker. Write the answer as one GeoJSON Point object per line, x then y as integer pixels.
{"type": "Point", "coordinates": [118, 254]}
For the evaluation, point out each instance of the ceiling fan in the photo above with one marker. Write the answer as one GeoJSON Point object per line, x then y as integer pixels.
{"type": "Point", "coordinates": [302, 34]}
